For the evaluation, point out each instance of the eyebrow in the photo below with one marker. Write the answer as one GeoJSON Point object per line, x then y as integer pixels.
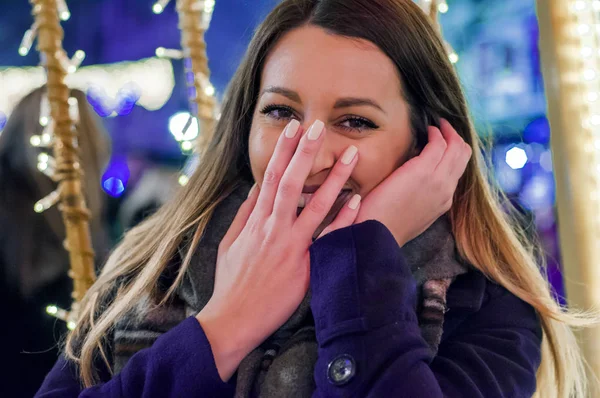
{"type": "Point", "coordinates": [346, 102]}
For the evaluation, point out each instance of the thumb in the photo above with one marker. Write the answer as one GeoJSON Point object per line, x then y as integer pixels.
{"type": "Point", "coordinates": [241, 218]}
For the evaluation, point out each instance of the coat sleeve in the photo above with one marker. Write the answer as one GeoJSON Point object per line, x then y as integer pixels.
{"type": "Point", "coordinates": [179, 364]}
{"type": "Point", "coordinates": [370, 343]}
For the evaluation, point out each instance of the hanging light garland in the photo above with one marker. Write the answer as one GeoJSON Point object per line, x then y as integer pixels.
{"type": "Point", "coordinates": [570, 49]}
{"type": "Point", "coordinates": [433, 8]}
{"type": "Point", "coordinates": [194, 20]}
{"type": "Point", "coordinates": [59, 117]}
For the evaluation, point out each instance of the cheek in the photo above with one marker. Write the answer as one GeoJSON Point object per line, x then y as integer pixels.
{"type": "Point", "coordinates": [261, 146]}
{"type": "Point", "coordinates": [378, 160]}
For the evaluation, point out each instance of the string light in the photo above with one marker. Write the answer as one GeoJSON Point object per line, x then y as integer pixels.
{"type": "Point", "coordinates": [76, 61]}
{"type": "Point", "coordinates": [443, 7]}
{"type": "Point", "coordinates": [209, 90]}
{"type": "Point", "coordinates": [160, 6]}
{"type": "Point", "coordinates": [162, 52]}
{"type": "Point", "coordinates": [183, 180]}
{"type": "Point", "coordinates": [47, 202]}
{"type": "Point", "coordinates": [186, 146]}
{"type": "Point", "coordinates": [63, 10]}
{"type": "Point", "coordinates": [35, 140]}
{"type": "Point", "coordinates": [27, 41]}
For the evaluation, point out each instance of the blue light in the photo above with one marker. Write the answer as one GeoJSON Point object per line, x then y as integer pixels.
{"type": "Point", "coordinates": [537, 131]}
{"type": "Point", "coordinates": [3, 120]}
{"type": "Point", "coordinates": [114, 180]}
{"type": "Point", "coordinates": [113, 186]}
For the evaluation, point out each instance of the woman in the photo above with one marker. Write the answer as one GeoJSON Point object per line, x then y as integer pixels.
{"type": "Point", "coordinates": [33, 261]}
{"type": "Point", "coordinates": [301, 289]}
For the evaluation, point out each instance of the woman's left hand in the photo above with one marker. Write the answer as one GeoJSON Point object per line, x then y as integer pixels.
{"type": "Point", "coordinates": [415, 195]}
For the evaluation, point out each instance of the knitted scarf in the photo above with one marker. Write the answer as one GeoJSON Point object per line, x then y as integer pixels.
{"type": "Point", "coordinates": [283, 365]}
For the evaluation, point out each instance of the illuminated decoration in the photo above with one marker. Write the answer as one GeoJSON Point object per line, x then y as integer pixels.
{"type": "Point", "coordinates": [194, 20]}
{"type": "Point", "coordinates": [538, 192]}
{"type": "Point", "coordinates": [159, 6]}
{"type": "Point", "coordinates": [3, 120]}
{"type": "Point", "coordinates": [569, 44]}
{"type": "Point", "coordinates": [113, 186]}
{"type": "Point", "coordinates": [432, 8]}
{"type": "Point", "coordinates": [59, 114]}
{"type": "Point", "coordinates": [183, 126]}
{"type": "Point", "coordinates": [183, 180]}
{"type": "Point", "coordinates": [151, 79]}
{"type": "Point", "coordinates": [546, 161]}
{"type": "Point", "coordinates": [516, 158]}
{"type": "Point", "coordinates": [116, 176]}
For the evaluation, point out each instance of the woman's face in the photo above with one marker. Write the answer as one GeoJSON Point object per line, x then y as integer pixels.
{"type": "Point", "coordinates": [348, 84]}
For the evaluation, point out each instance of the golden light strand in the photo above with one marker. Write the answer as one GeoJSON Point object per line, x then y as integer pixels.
{"type": "Point", "coordinates": [569, 44]}
{"type": "Point", "coordinates": [64, 165]}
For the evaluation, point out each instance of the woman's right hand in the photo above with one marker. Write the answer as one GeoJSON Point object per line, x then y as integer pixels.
{"type": "Point", "coordinates": [263, 261]}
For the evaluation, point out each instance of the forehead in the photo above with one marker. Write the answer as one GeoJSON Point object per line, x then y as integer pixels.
{"type": "Point", "coordinates": [309, 58]}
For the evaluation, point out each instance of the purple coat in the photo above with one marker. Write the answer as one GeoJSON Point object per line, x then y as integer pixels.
{"type": "Point", "coordinates": [369, 345]}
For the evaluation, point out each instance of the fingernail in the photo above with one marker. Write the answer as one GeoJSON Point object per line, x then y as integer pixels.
{"type": "Point", "coordinates": [349, 154]}
{"type": "Point", "coordinates": [292, 128]}
{"type": "Point", "coordinates": [354, 202]}
{"type": "Point", "coordinates": [315, 130]}
{"type": "Point", "coordinates": [252, 190]}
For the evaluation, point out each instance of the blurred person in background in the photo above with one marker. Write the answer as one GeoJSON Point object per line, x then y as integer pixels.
{"type": "Point", "coordinates": [34, 264]}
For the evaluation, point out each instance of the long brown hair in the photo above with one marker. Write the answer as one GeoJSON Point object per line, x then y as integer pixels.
{"type": "Point", "coordinates": [484, 235]}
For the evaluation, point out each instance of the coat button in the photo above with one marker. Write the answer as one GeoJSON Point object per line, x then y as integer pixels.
{"type": "Point", "coordinates": [341, 370]}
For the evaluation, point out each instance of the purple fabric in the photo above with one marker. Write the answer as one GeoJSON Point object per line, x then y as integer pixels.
{"type": "Point", "coordinates": [490, 346]}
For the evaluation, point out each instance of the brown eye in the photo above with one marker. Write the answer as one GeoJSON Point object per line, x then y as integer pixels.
{"type": "Point", "coordinates": [357, 123]}
{"type": "Point", "coordinates": [278, 112]}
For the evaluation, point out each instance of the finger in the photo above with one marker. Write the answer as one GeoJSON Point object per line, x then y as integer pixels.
{"type": "Point", "coordinates": [284, 151]}
{"type": "Point", "coordinates": [241, 218]}
{"type": "Point", "coordinates": [461, 163]}
{"type": "Point", "coordinates": [455, 149]}
{"type": "Point", "coordinates": [433, 152]}
{"type": "Point", "coordinates": [346, 216]}
{"type": "Point", "coordinates": [320, 204]}
{"type": "Point", "coordinates": [298, 170]}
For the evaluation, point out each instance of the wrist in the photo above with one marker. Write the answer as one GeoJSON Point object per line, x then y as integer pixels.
{"type": "Point", "coordinates": [227, 348]}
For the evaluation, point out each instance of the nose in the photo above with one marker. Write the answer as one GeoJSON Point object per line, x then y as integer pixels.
{"type": "Point", "coordinates": [327, 153]}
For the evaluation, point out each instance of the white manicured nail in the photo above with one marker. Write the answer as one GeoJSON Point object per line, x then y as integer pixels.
{"type": "Point", "coordinates": [354, 202]}
{"type": "Point", "coordinates": [292, 128]}
{"type": "Point", "coordinates": [349, 154]}
{"type": "Point", "coordinates": [315, 130]}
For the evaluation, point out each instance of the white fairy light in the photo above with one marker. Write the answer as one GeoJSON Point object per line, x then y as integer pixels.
{"type": "Point", "coordinates": [27, 41]}
{"type": "Point", "coordinates": [160, 6]}
{"type": "Point", "coordinates": [183, 180]}
{"type": "Point", "coordinates": [209, 90]}
{"type": "Point", "coordinates": [47, 202]}
{"type": "Point", "coordinates": [63, 10]}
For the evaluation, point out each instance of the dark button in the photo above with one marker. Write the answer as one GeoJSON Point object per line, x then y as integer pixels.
{"type": "Point", "coordinates": [341, 370]}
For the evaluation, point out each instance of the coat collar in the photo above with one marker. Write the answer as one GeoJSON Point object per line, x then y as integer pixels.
{"type": "Point", "coordinates": [467, 292]}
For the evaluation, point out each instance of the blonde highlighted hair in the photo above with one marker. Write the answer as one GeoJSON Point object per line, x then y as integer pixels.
{"type": "Point", "coordinates": [484, 234]}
